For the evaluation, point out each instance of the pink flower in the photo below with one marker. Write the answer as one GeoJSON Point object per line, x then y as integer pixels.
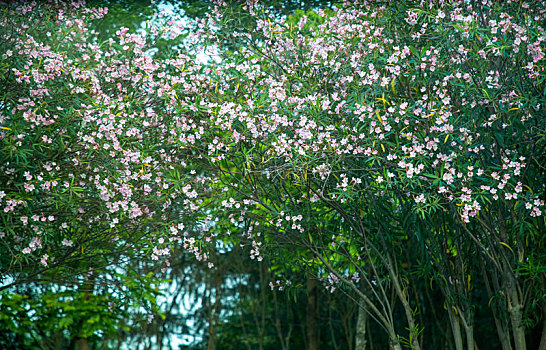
{"type": "Point", "coordinates": [43, 261]}
{"type": "Point", "coordinates": [67, 243]}
{"type": "Point", "coordinates": [420, 198]}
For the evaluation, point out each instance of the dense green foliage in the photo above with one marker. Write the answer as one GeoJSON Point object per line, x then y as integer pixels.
{"type": "Point", "coordinates": [367, 176]}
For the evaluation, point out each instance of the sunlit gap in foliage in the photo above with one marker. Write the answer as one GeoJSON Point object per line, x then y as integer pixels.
{"type": "Point", "coordinates": [173, 14]}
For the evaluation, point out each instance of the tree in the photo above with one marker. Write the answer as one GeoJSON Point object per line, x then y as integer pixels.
{"type": "Point", "coordinates": [91, 195]}
{"type": "Point", "coordinates": [392, 151]}
{"type": "Point", "coordinates": [377, 116]}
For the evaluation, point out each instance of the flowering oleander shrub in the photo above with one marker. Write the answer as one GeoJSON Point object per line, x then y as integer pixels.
{"type": "Point", "coordinates": [377, 126]}
{"type": "Point", "coordinates": [437, 122]}
{"type": "Point", "coordinates": [93, 182]}
{"type": "Point", "coordinates": [371, 143]}
{"type": "Point", "coordinates": [91, 164]}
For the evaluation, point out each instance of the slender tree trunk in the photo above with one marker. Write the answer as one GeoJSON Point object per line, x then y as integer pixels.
{"type": "Point", "coordinates": [383, 317]}
{"type": "Point", "coordinates": [82, 344]}
{"type": "Point", "coordinates": [261, 328]}
{"type": "Point", "coordinates": [331, 326]}
{"type": "Point", "coordinates": [245, 333]}
{"type": "Point", "coordinates": [469, 331]}
{"type": "Point", "coordinates": [515, 306]}
{"type": "Point", "coordinates": [394, 341]}
{"type": "Point", "coordinates": [87, 287]}
{"type": "Point", "coordinates": [467, 321]}
{"type": "Point", "coordinates": [409, 315]}
{"type": "Point", "coordinates": [396, 346]}
{"type": "Point", "coordinates": [516, 313]}
{"type": "Point", "coordinates": [211, 344]}
{"type": "Point", "coordinates": [456, 328]}
{"type": "Point", "coordinates": [414, 341]}
{"type": "Point", "coordinates": [360, 338]}
{"type": "Point", "coordinates": [517, 326]}
{"type": "Point", "coordinates": [502, 330]}
{"type": "Point", "coordinates": [500, 321]}
{"type": "Point", "coordinates": [278, 327]}
{"type": "Point", "coordinates": [542, 345]}
{"type": "Point", "coordinates": [312, 314]}
{"type": "Point", "coordinates": [504, 335]}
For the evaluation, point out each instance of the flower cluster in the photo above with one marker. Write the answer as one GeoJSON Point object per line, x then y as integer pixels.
{"type": "Point", "coordinates": [90, 137]}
